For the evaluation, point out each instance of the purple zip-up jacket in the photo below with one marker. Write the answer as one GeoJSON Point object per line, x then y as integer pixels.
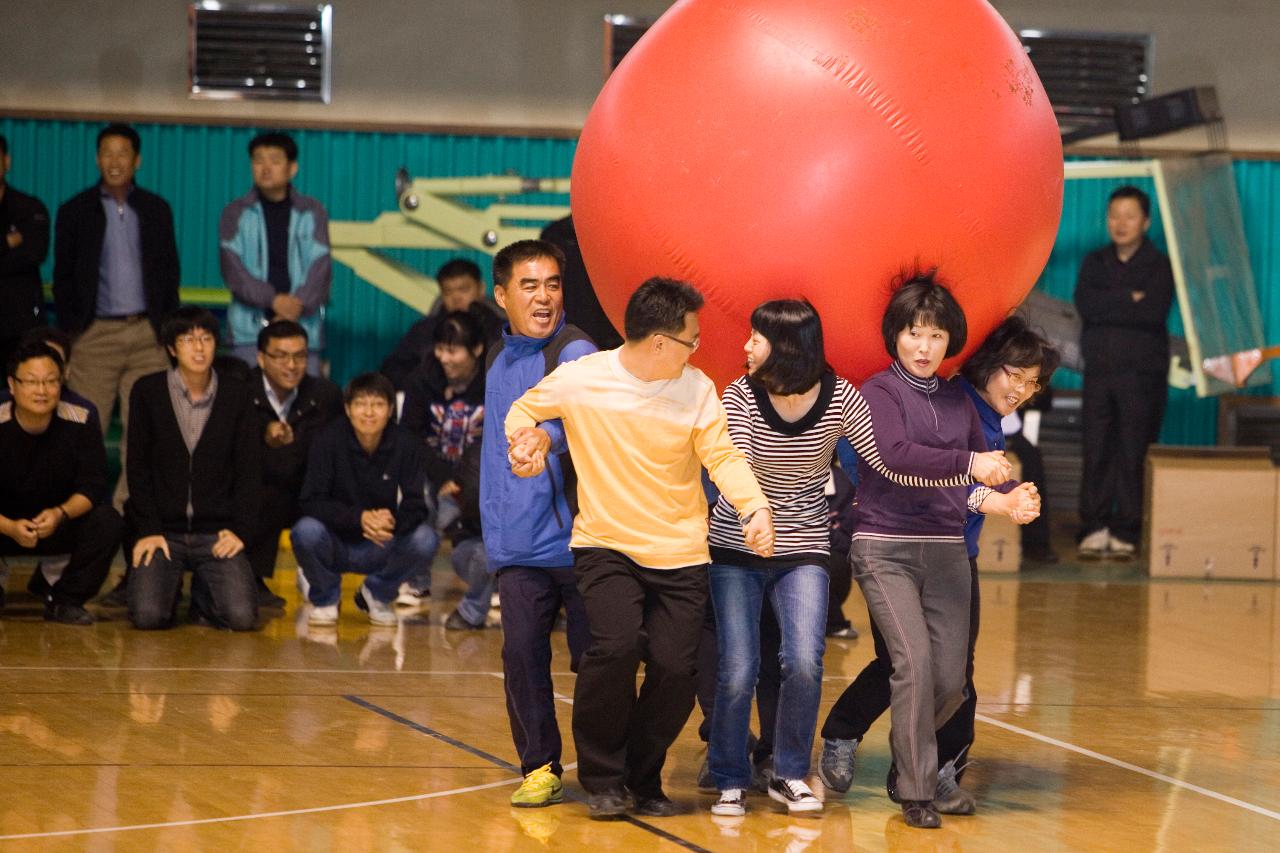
{"type": "Point", "coordinates": [928, 427]}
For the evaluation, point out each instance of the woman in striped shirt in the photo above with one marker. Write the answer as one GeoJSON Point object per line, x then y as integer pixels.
{"type": "Point", "coordinates": [786, 415]}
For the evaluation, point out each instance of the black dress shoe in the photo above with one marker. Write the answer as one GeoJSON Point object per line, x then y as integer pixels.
{"type": "Point", "coordinates": [891, 784]}
{"type": "Point", "coordinates": [607, 805]}
{"type": "Point", "coordinates": [658, 806]}
{"type": "Point", "coordinates": [921, 814]}
{"type": "Point", "coordinates": [267, 598]}
{"type": "Point", "coordinates": [67, 614]}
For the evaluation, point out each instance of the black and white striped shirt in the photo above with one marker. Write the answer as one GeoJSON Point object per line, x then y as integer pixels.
{"type": "Point", "coordinates": [791, 461]}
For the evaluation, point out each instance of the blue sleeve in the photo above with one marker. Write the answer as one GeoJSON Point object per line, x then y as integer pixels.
{"type": "Point", "coordinates": [555, 429]}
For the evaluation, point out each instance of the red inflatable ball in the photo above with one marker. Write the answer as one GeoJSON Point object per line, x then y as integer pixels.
{"type": "Point", "coordinates": [779, 148]}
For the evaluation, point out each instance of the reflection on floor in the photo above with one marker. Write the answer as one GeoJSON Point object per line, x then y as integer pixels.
{"type": "Point", "coordinates": [1115, 713]}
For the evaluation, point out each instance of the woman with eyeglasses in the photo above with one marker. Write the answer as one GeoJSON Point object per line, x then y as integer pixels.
{"type": "Point", "coordinates": [786, 415]}
{"type": "Point", "coordinates": [1010, 368]}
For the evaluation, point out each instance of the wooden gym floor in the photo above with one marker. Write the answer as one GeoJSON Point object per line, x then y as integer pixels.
{"type": "Point", "coordinates": [1115, 714]}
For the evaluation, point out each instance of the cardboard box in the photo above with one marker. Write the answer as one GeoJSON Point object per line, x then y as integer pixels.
{"type": "Point", "coordinates": [1210, 512]}
{"type": "Point", "coordinates": [1000, 544]}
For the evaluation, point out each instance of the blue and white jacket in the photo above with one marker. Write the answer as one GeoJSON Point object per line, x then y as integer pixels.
{"type": "Point", "coordinates": [526, 521]}
{"type": "Point", "coordinates": [242, 237]}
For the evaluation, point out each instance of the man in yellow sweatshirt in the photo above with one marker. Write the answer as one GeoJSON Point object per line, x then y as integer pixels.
{"type": "Point", "coordinates": [640, 424]}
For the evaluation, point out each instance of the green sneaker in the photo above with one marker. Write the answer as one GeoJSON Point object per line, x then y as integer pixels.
{"type": "Point", "coordinates": [540, 788]}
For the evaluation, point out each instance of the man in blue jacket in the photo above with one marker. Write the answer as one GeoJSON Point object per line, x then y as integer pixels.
{"type": "Point", "coordinates": [527, 522]}
{"type": "Point", "coordinates": [274, 252]}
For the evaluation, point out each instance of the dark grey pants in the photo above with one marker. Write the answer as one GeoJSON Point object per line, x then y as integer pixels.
{"type": "Point", "coordinates": [917, 592]}
{"type": "Point", "coordinates": [222, 588]}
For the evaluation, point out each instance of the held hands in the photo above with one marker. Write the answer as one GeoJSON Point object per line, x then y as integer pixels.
{"type": "Point", "coordinates": [450, 490]}
{"type": "Point", "coordinates": [758, 532]}
{"type": "Point", "coordinates": [227, 546]}
{"type": "Point", "coordinates": [1022, 505]}
{"type": "Point", "coordinates": [21, 530]}
{"type": "Point", "coordinates": [528, 451]}
{"type": "Point", "coordinates": [278, 434]}
{"type": "Point", "coordinates": [145, 547]}
{"type": "Point", "coordinates": [378, 526]}
{"type": "Point", "coordinates": [287, 305]}
{"type": "Point", "coordinates": [47, 522]}
{"type": "Point", "coordinates": [991, 468]}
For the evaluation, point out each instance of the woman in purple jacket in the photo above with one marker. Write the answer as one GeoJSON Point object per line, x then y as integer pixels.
{"type": "Point", "coordinates": [908, 551]}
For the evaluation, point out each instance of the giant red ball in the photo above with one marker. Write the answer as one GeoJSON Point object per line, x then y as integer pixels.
{"type": "Point", "coordinates": [766, 149]}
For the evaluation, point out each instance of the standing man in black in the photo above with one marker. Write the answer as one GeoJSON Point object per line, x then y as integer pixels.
{"type": "Point", "coordinates": [290, 406]}
{"type": "Point", "coordinates": [115, 278]}
{"type": "Point", "coordinates": [24, 242]}
{"type": "Point", "coordinates": [1123, 294]}
{"type": "Point", "coordinates": [53, 495]}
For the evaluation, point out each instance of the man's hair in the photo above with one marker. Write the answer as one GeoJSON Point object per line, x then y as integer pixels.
{"type": "Point", "coordinates": [1130, 191]}
{"type": "Point", "coordinates": [460, 267]}
{"type": "Point", "coordinates": [1013, 343]}
{"type": "Point", "coordinates": [184, 320]}
{"type": "Point", "coordinates": [4, 146]}
{"type": "Point", "coordinates": [123, 130]}
{"type": "Point", "coordinates": [370, 385]}
{"type": "Point", "coordinates": [27, 350]}
{"type": "Point", "coordinates": [519, 252]}
{"type": "Point", "coordinates": [49, 335]}
{"type": "Point", "coordinates": [918, 298]}
{"type": "Point", "coordinates": [459, 328]}
{"type": "Point", "coordinates": [658, 307]}
{"type": "Point", "coordinates": [277, 329]}
{"type": "Point", "coordinates": [275, 139]}
{"type": "Point", "coordinates": [797, 357]}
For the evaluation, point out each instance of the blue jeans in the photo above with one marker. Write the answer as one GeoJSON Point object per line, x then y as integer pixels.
{"type": "Point", "coordinates": [472, 565]}
{"type": "Point", "coordinates": [447, 512]}
{"type": "Point", "coordinates": [323, 556]}
{"type": "Point", "coordinates": [799, 598]}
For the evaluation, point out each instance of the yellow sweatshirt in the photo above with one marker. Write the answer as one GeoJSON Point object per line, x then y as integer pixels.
{"type": "Point", "coordinates": [637, 448]}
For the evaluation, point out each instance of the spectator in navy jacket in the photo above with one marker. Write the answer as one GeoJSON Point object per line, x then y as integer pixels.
{"type": "Point", "coordinates": [363, 506]}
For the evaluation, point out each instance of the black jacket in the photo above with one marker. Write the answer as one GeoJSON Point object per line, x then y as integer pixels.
{"type": "Point", "coordinates": [1120, 335]}
{"type": "Point", "coordinates": [318, 402]}
{"type": "Point", "coordinates": [581, 305]}
{"type": "Point", "coordinates": [343, 481]}
{"type": "Point", "coordinates": [77, 251]}
{"type": "Point", "coordinates": [416, 347]}
{"type": "Point", "coordinates": [222, 476]}
{"type": "Point", "coordinates": [424, 408]}
{"type": "Point", "coordinates": [21, 299]}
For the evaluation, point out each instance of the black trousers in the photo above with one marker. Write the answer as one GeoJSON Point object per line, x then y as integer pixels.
{"type": "Point", "coordinates": [841, 575]}
{"type": "Point", "coordinates": [863, 701]}
{"type": "Point", "coordinates": [531, 600]}
{"type": "Point", "coordinates": [768, 682]}
{"type": "Point", "coordinates": [1035, 536]}
{"type": "Point", "coordinates": [278, 510]}
{"type": "Point", "coordinates": [1122, 415]}
{"type": "Point", "coordinates": [636, 615]}
{"type": "Point", "coordinates": [91, 540]}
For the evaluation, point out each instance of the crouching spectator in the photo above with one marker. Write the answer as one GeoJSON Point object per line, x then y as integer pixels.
{"type": "Point", "coordinates": [53, 495]}
{"type": "Point", "coordinates": [363, 508]}
{"type": "Point", "coordinates": [193, 469]}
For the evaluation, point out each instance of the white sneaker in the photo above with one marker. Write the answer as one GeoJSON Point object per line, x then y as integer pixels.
{"type": "Point", "coordinates": [327, 615]}
{"type": "Point", "coordinates": [1095, 544]}
{"type": "Point", "coordinates": [380, 612]}
{"type": "Point", "coordinates": [732, 803]}
{"type": "Point", "coordinates": [411, 596]}
{"type": "Point", "coordinates": [1120, 548]}
{"type": "Point", "coordinates": [794, 794]}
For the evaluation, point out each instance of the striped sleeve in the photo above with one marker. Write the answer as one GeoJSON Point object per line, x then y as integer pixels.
{"type": "Point", "coordinates": [856, 421]}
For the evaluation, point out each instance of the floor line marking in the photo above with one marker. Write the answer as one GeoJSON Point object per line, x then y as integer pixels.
{"type": "Point", "coordinates": [1107, 759]}
{"type": "Point", "coordinates": [430, 732]}
{"type": "Point", "coordinates": [286, 813]}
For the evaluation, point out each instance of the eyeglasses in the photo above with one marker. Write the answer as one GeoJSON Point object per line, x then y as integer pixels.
{"type": "Point", "coordinates": [1020, 381]}
{"type": "Point", "coordinates": [39, 383]}
{"type": "Point", "coordinates": [692, 345]}
{"type": "Point", "coordinates": [287, 357]}
{"type": "Point", "coordinates": [192, 340]}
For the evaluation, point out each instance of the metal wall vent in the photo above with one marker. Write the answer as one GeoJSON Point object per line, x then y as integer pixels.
{"type": "Point", "coordinates": [247, 50]}
{"type": "Point", "coordinates": [621, 32]}
{"type": "Point", "coordinates": [1088, 75]}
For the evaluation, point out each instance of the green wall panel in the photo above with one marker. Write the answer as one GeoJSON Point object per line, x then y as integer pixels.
{"type": "Point", "coordinates": [199, 168]}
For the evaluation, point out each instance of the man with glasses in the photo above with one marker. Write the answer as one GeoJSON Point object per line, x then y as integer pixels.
{"type": "Point", "coordinates": [54, 495]}
{"type": "Point", "coordinates": [290, 406]}
{"type": "Point", "coordinates": [641, 424]}
{"type": "Point", "coordinates": [194, 477]}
